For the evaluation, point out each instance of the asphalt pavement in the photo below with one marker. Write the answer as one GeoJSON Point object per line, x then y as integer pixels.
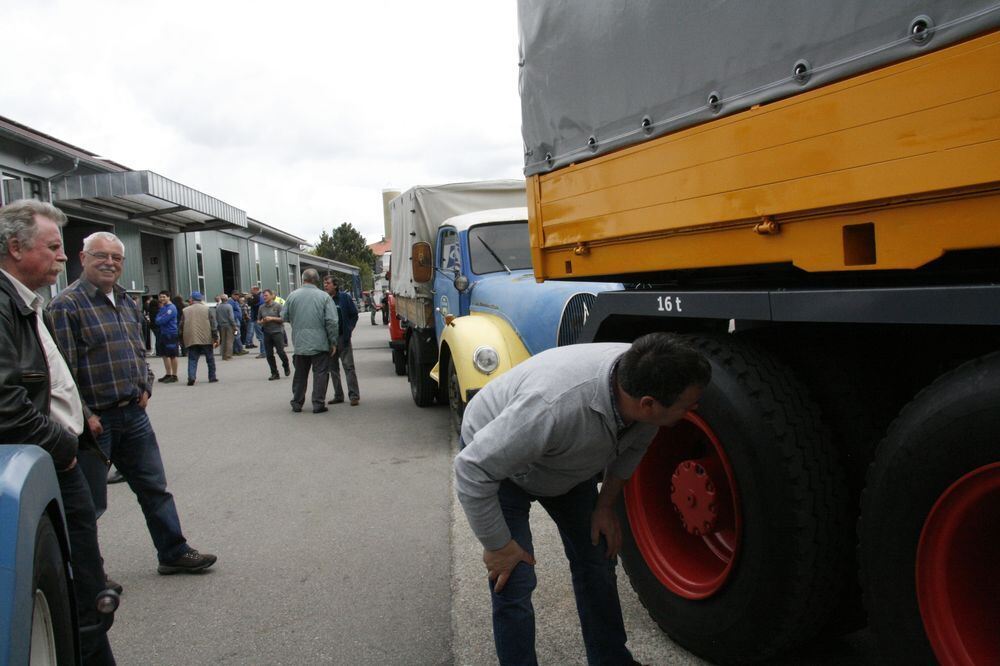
{"type": "Point", "coordinates": [338, 535]}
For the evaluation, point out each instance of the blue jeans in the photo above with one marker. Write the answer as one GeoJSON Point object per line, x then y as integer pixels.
{"type": "Point", "coordinates": [594, 583]}
{"type": "Point", "coordinates": [194, 353]}
{"type": "Point", "coordinates": [238, 338]}
{"type": "Point", "coordinates": [129, 441]}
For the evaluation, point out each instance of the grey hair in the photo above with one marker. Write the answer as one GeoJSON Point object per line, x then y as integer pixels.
{"type": "Point", "coordinates": [17, 222]}
{"type": "Point", "coordinates": [310, 275]}
{"type": "Point", "coordinates": [102, 235]}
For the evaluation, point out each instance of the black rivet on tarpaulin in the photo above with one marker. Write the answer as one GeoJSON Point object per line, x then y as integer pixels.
{"type": "Point", "coordinates": [921, 29]}
{"type": "Point", "coordinates": [714, 102]}
{"type": "Point", "coordinates": [548, 158]}
{"type": "Point", "coordinates": [592, 142]}
{"type": "Point", "coordinates": [646, 124]}
{"type": "Point", "coordinates": [802, 71]}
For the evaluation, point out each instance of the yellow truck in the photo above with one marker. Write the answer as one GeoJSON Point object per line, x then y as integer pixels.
{"type": "Point", "coordinates": [811, 192]}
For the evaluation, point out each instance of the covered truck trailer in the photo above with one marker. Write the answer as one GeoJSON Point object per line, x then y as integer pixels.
{"type": "Point", "coordinates": [811, 192]}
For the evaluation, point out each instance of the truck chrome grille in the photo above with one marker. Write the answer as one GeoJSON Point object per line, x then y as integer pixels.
{"type": "Point", "coordinates": [574, 316]}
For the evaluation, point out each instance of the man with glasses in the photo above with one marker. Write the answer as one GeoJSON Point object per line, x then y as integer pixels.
{"type": "Point", "coordinates": [100, 330]}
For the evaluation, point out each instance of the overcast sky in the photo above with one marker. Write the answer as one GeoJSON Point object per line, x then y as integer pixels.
{"type": "Point", "coordinates": [300, 113]}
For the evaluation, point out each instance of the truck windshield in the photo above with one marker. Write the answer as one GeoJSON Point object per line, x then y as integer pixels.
{"type": "Point", "coordinates": [508, 240]}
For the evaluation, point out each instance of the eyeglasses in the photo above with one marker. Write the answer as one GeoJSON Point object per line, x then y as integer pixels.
{"type": "Point", "coordinates": [104, 256]}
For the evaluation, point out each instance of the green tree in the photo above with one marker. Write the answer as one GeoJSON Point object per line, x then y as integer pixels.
{"type": "Point", "coordinates": [347, 245]}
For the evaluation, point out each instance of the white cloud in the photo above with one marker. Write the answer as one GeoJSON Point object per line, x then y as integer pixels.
{"type": "Point", "coordinates": [298, 112]}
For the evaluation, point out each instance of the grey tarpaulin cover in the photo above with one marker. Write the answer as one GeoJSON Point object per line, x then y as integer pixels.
{"type": "Point", "coordinates": [418, 212]}
{"type": "Point", "coordinates": [592, 70]}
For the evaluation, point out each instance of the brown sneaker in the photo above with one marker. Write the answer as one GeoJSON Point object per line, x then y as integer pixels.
{"type": "Point", "coordinates": [190, 562]}
{"type": "Point", "coordinates": [355, 402]}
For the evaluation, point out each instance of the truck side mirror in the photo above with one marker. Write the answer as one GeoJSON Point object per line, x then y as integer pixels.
{"type": "Point", "coordinates": [422, 265]}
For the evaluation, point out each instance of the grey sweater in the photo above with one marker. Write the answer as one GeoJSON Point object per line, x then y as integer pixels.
{"type": "Point", "coordinates": [224, 315]}
{"type": "Point", "coordinates": [547, 425]}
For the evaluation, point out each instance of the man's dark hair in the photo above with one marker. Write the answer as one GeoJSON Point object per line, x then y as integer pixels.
{"type": "Point", "coordinates": [267, 291]}
{"type": "Point", "coordinates": [662, 365]}
{"type": "Point", "coordinates": [165, 293]}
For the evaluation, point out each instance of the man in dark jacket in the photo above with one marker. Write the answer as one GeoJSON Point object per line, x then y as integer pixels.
{"type": "Point", "coordinates": [348, 313]}
{"type": "Point", "coordinates": [39, 400]}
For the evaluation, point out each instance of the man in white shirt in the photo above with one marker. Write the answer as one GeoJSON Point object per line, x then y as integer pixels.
{"type": "Point", "coordinates": [39, 400]}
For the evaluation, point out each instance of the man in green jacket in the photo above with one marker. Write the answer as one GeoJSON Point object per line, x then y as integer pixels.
{"type": "Point", "coordinates": [313, 317]}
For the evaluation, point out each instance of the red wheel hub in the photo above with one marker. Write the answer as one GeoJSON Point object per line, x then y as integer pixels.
{"type": "Point", "coordinates": [956, 570]}
{"type": "Point", "coordinates": [683, 509]}
{"type": "Point", "coordinates": [693, 494]}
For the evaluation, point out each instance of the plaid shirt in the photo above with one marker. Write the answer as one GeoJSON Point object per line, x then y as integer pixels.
{"type": "Point", "coordinates": [103, 344]}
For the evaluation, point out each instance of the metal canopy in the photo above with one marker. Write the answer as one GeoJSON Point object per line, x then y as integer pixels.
{"type": "Point", "coordinates": [322, 263]}
{"type": "Point", "coordinates": [144, 195]}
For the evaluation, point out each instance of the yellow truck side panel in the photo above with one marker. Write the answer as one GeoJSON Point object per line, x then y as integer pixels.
{"type": "Point", "coordinates": [907, 158]}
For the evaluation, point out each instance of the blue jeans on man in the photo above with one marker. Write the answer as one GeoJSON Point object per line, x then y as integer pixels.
{"type": "Point", "coordinates": [594, 582]}
{"type": "Point", "coordinates": [194, 353]}
{"type": "Point", "coordinates": [237, 339]}
{"type": "Point", "coordinates": [129, 442]}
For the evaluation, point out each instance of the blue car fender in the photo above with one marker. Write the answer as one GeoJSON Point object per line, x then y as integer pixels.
{"type": "Point", "coordinates": [28, 490]}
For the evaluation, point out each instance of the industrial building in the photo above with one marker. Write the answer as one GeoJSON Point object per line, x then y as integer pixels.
{"type": "Point", "coordinates": [176, 238]}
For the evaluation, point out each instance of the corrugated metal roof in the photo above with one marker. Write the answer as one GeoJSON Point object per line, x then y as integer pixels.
{"type": "Point", "coordinates": [148, 195]}
{"type": "Point", "coordinates": [329, 264]}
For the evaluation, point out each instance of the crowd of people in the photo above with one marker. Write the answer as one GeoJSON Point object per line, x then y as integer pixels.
{"type": "Point", "coordinates": [173, 327]}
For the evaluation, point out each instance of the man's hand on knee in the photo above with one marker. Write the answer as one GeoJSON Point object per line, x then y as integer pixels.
{"type": "Point", "coordinates": [605, 521]}
{"type": "Point", "coordinates": [499, 563]}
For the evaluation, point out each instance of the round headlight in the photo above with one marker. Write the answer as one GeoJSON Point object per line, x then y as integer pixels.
{"type": "Point", "coordinates": [486, 360]}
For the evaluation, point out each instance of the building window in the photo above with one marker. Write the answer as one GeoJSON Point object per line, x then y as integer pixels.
{"type": "Point", "coordinates": [200, 261]}
{"type": "Point", "coordinates": [256, 258]}
{"type": "Point", "coordinates": [291, 276]}
{"type": "Point", "coordinates": [277, 273]}
{"type": "Point", "coordinates": [18, 187]}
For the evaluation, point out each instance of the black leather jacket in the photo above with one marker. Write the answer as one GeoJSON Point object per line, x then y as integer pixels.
{"type": "Point", "coordinates": [24, 382]}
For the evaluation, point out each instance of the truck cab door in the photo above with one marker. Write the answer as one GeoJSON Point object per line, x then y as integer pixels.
{"type": "Point", "coordinates": [448, 262]}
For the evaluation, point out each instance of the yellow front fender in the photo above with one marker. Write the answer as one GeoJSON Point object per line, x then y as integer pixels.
{"type": "Point", "coordinates": [464, 335]}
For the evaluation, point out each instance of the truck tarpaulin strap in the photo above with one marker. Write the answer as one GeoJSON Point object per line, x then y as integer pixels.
{"type": "Point", "coordinates": [597, 76]}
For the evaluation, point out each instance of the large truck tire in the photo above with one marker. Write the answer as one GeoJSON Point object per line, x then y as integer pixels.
{"type": "Point", "coordinates": [736, 528]}
{"type": "Point", "coordinates": [930, 541]}
{"type": "Point", "coordinates": [399, 361]}
{"type": "Point", "coordinates": [857, 401]}
{"type": "Point", "coordinates": [52, 626]}
{"type": "Point", "coordinates": [422, 387]}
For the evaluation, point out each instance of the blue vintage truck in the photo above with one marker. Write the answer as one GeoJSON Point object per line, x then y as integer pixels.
{"type": "Point", "coordinates": [465, 293]}
{"type": "Point", "coordinates": [37, 612]}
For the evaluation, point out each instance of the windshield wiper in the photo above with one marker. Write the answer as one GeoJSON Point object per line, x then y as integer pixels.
{"type": "Point", "coordinates": [490, 250]}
